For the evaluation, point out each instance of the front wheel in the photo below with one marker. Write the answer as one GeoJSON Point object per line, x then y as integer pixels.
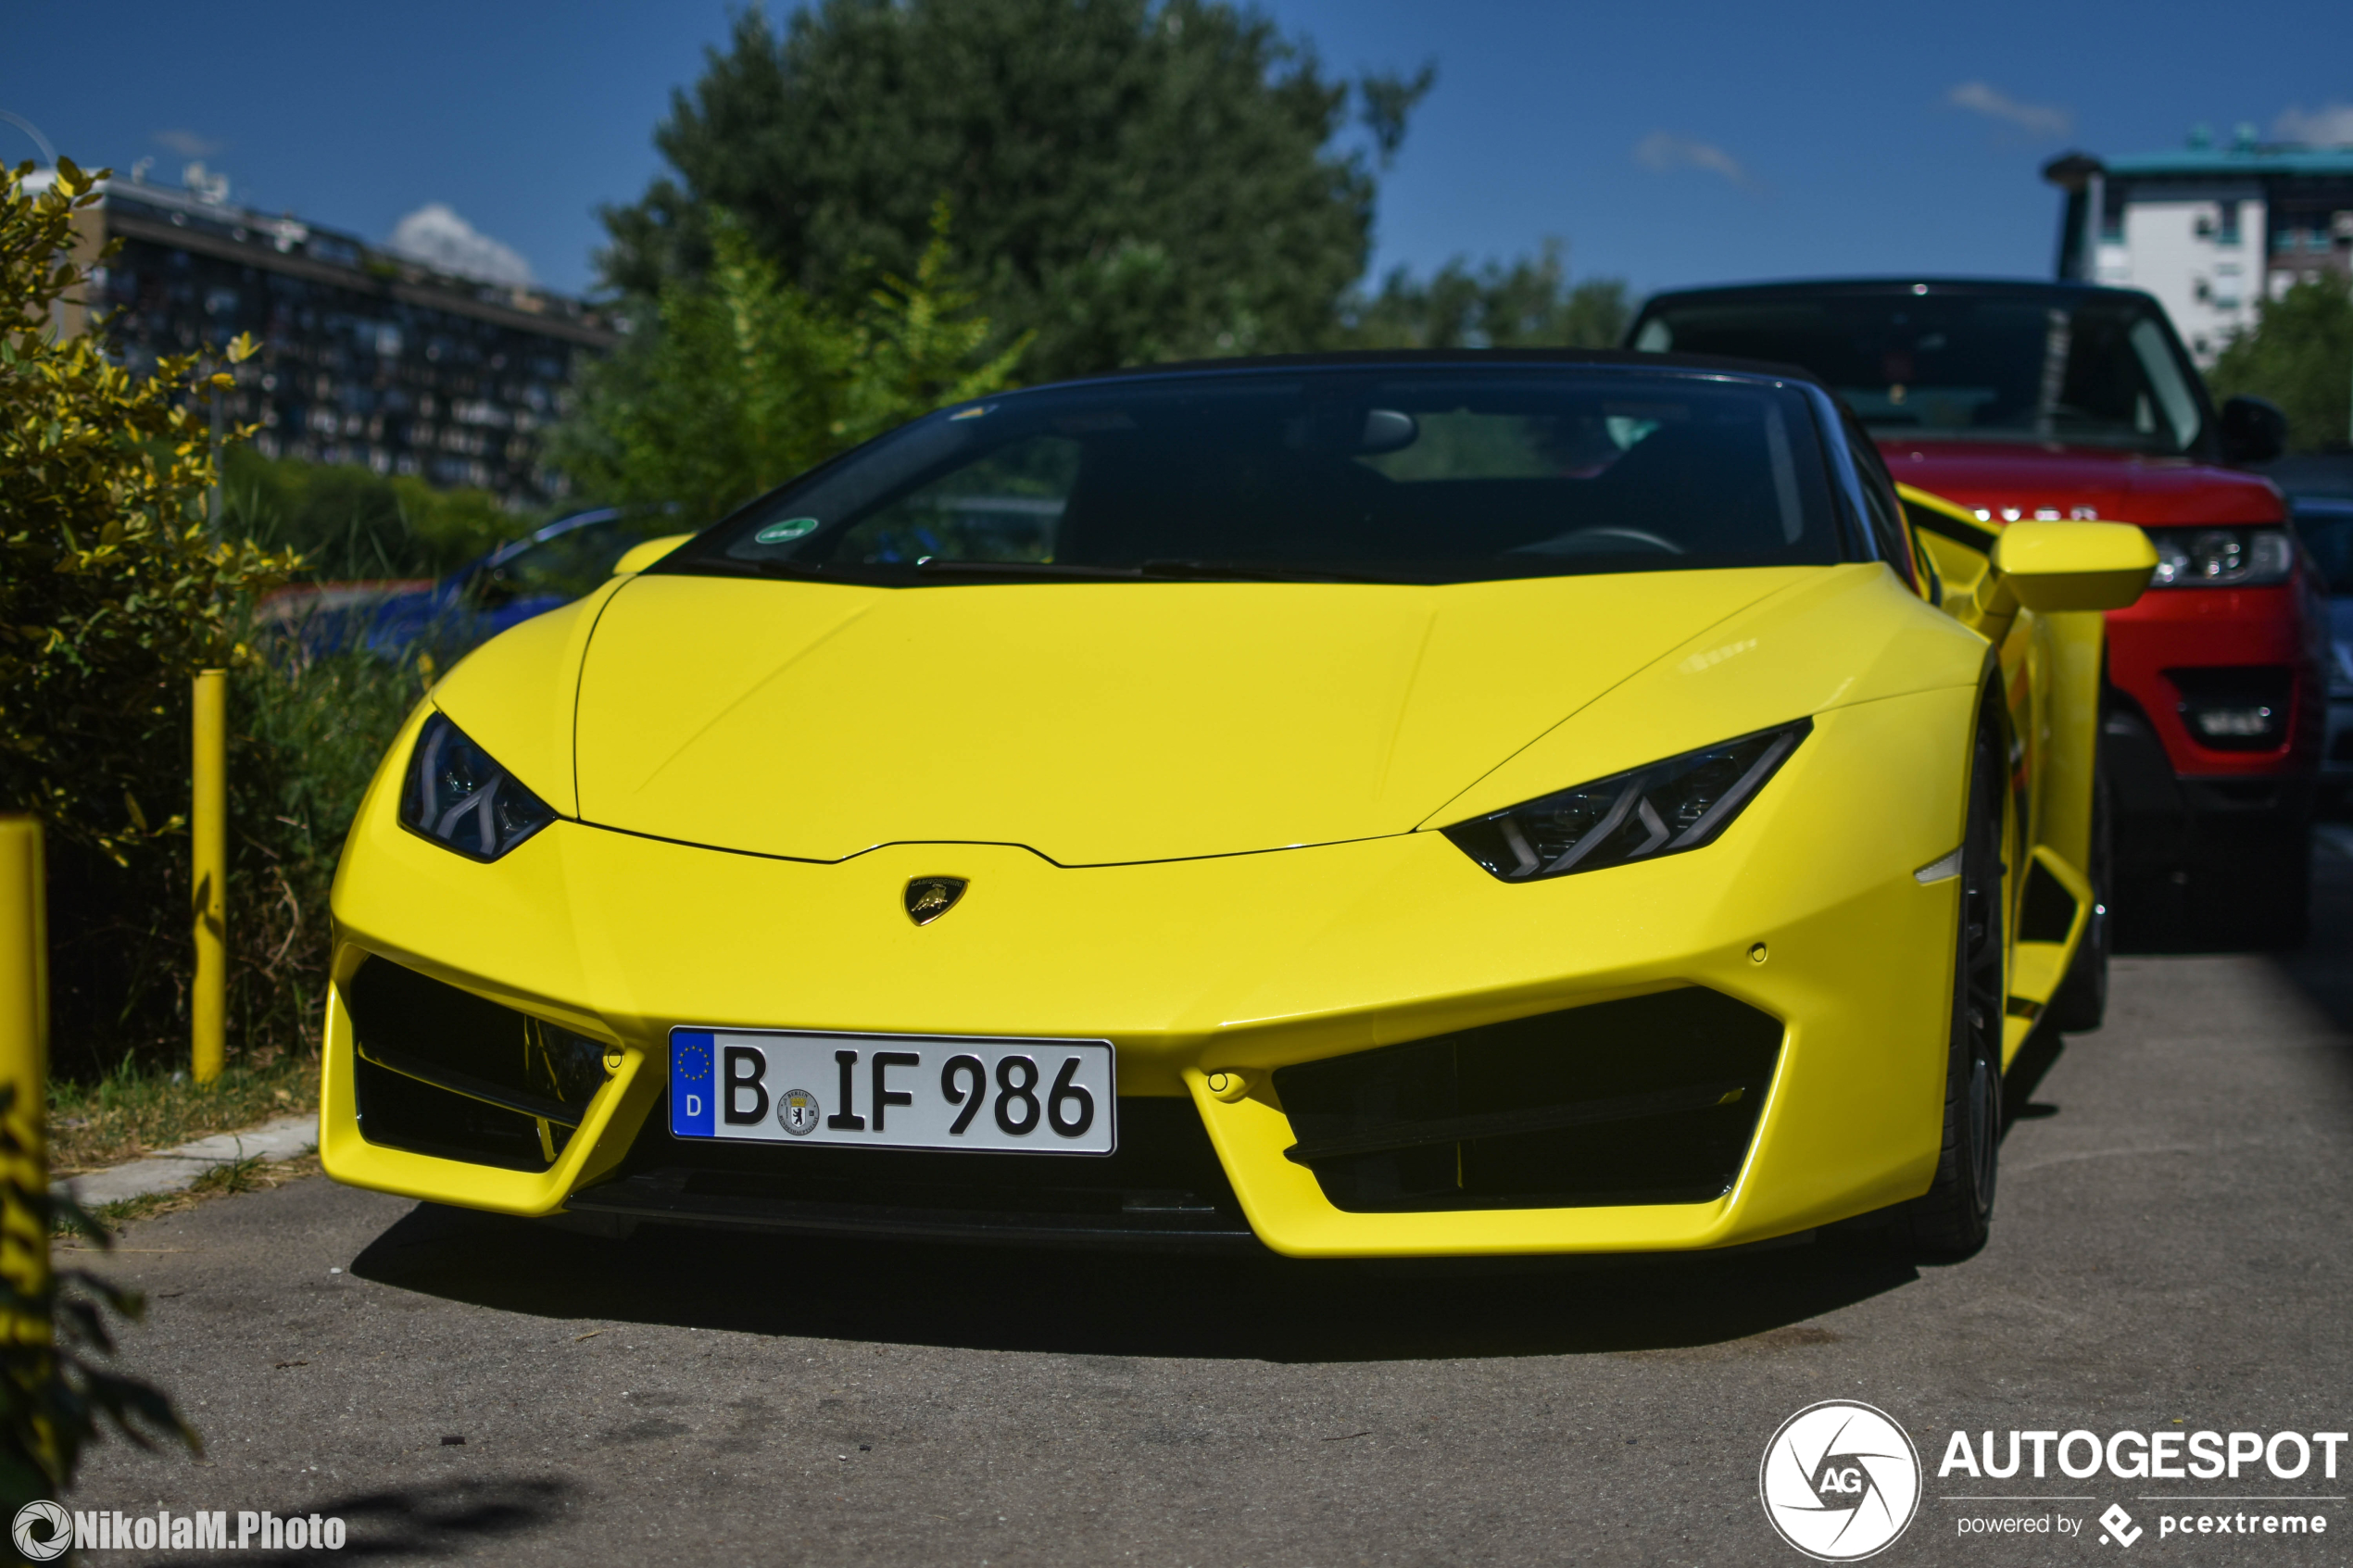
{"type": "Point", "coordinates": [1953, 1219]}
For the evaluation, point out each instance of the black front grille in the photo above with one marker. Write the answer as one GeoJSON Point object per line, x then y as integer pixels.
{"type": "Point", "coordinates": [443, 1071]}
{"type": "Point", "coordinates": [1162, 1185]}
{"type": "Point", "coordinates": [1649, 1100]}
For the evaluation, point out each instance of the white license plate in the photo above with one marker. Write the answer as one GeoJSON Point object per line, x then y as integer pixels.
{"type": "Point", "coordinates": [894, 1091]}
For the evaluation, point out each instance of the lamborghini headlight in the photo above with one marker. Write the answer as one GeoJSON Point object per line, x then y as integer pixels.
{"type": "Point", "coordinates": [457, 796]}
{"type": "Point", "coordinates": [1664, 809]}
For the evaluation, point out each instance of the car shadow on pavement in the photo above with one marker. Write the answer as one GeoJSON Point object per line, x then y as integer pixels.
{"type": "Point", "coordinates": [438, 1520]}
{"type": "Point", "coordinates": [1123, 1303]}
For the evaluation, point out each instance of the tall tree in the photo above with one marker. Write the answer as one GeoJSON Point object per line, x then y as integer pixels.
{"type": "Point", "coordinates": [1527, 304]}
{"type": "Point", "coordinates": [2299, 356]}
{"type": "Point", "coordinates": [741, 379]}
{"type": "Point", "coordinates": [1143, 178]}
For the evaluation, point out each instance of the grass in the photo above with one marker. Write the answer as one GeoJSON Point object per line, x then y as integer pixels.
{"type": "Point", "coordinates": [258, 1173]}
{"type": "Point", "coordinates": [138, 1110]}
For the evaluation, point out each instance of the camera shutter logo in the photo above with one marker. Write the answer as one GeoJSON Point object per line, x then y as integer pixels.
{"type": "Point", "coordinates": [42, 1531]}
{"type": "Point", "coordinates": [1840, 1481]}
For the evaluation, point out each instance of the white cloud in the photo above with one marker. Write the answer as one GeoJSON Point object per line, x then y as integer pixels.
{"type": "Point", "coordinates": [2035, 119]}
{"type": "Point", "coordinates": [1663, 152]}
{"type": "Point", "coordinates": [187, 143]}
{"type": "Point", "coordinates": [438, 237]}
{"type": "Point", "coordinates": [2331, 125]}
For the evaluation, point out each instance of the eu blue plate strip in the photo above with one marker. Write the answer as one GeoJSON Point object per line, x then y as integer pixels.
{"type": "Point", "coordinates": [691, 1053]}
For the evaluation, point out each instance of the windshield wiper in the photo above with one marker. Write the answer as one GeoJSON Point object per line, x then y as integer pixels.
{"type": "Point", "coordinates": [933, 566]}
{"type": "Point", "coordinates": [777, 565]}
{"type": "Point", "coordinates": [1264, 572]}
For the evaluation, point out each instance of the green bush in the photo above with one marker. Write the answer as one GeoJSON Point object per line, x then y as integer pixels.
{"type": "Point", "coordinates": [113, 593]}
{"type": "Point", "coordinates": [350, 522]}
{"type": "Point", "coordinates": [304, 738]}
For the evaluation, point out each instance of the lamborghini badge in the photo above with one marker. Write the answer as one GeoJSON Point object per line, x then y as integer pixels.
{"type": "Point", "coordinates": [929, 897]}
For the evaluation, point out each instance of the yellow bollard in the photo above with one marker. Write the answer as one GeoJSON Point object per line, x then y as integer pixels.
{"type": "Point", "coordinates": [209, 831]}
{"type": "Point", "coordinates": [24, 1057]}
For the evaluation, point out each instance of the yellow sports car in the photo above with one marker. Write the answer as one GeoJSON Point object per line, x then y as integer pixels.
{"type": "Point", "coordinates": [1351, 805]}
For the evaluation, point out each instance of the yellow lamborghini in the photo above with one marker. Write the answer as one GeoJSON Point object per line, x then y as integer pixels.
{"type": "Point", "coordinates": [1348, 804]}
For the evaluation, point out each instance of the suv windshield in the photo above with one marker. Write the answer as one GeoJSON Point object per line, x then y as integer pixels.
{"type": "Point", "coordinates": [1953, 364]}
{"type": "Point", "coordinates": [1436, 474]}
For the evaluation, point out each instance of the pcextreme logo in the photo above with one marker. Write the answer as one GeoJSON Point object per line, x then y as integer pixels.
{"type": "Point", "coordinates": [1840, 1481]}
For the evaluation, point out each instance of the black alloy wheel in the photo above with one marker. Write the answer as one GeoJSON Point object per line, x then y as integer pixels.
{"type": "Point", "coordinates": [1953, 1219]}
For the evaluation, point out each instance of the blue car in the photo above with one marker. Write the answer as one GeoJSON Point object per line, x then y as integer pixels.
{"type": "Point", "coordinates": [531, 576]}
{"type": "Point", "coordinates": [2326, 524]}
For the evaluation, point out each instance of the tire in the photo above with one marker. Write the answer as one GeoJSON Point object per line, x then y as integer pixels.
{"type": "Point", "coordinates": [1954, 1218]}
{"type": "Point", "coordinates": [2082, 1003]}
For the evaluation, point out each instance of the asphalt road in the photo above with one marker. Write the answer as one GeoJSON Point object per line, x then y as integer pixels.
{"type": "Point", "coordinates": [2173, 1251]}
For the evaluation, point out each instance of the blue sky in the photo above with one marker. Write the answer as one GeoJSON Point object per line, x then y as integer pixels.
{"type": "Point", "coordinates": [1666, 144]}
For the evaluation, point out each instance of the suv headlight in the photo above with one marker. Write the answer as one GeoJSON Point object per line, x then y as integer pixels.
{"type": "Point", "coordinates": [1684, 803]}
{"type": "Point", "coordinates": [461, 800]}
{"type": "Point", "coordinates": [2222, 558]}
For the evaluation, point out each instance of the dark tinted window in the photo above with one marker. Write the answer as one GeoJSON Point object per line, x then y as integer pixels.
{"type": "Point", "coordinates": [1442, 474]}
{"type": "Point", "coordinates": [2093, 370]}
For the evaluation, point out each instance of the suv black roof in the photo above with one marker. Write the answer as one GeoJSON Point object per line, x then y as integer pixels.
{"type": "Point", "coordinates": [2016, 288]}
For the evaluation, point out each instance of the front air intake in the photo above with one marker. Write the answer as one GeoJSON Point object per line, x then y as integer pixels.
{"type": "Point", "coordinates": [1650, 1101]}
{"type": "Point", "coordinates": [440, 1070]}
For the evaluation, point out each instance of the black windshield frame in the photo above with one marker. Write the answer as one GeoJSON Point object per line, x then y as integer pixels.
{"type": "Point", "coordinates": [798, 531]}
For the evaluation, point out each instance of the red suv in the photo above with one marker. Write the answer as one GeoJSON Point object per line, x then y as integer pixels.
{"type": "Point", "coordinates": [2059, 400]}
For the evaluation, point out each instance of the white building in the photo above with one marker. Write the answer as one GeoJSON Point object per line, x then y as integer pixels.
{"type": "Point", "coordinates": [2208, 230]}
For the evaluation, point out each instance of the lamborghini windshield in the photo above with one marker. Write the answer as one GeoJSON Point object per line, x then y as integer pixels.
{"type": "Point", "coordinates": [1435, 474]}
{"type": "Point", "coordinates": [1956, 364]}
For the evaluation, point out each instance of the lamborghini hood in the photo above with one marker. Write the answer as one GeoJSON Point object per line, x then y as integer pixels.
{"type": "Point", "coordinates": [1094, 723]}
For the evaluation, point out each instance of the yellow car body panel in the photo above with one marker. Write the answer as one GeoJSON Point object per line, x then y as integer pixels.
{"type": "Point", "coordinates": [1233, 869]}
{"type": "Point", "coordinates": [1347, 711]}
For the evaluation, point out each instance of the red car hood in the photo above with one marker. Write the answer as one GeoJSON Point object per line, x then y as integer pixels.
{"type": "Point", "coordinates": [2068, 482]}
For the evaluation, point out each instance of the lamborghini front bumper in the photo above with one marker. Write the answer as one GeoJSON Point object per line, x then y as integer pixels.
{"type": "Point", "coordinates": [1807, 912]}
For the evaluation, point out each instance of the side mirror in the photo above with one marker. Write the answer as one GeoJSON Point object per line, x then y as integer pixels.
{"type": "Point", "coordinates": [641, 556]}
{"type": "Point", "coordinates": [2068, 566]}
{"type": "Point", "coordinates": [2254, 430]}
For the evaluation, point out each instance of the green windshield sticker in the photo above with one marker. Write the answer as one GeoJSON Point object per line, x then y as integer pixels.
{"type": "Point", "coordinates": [790, 529]}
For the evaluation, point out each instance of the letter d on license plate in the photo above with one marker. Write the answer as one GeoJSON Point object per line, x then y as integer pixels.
{"type": "Point", "coordinates": [894, 1091]}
